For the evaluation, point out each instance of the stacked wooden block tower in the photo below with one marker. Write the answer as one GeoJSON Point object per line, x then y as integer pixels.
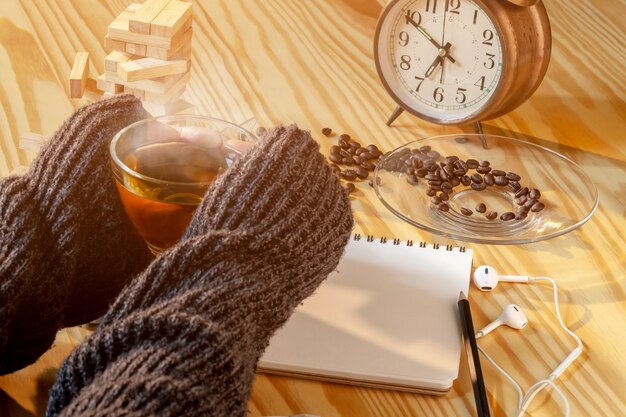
{"type": "Point", "coordinates": [151, 55]}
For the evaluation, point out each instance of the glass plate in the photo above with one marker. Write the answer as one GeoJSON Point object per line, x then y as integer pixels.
{"type": "Point", "coordinates": [569, 196]}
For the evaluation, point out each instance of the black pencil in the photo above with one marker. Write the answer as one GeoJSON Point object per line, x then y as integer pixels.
{"type": "Point", "coordinates": [473, 361]}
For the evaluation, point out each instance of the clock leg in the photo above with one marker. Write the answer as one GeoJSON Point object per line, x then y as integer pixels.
{"type": "Point", "coordinates": [397, 112]}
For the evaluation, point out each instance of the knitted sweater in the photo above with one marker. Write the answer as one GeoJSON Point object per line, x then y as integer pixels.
{"type": "Point", "coordinates": [183, 338]}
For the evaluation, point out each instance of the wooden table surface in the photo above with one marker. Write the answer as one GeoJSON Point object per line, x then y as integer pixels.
{"type": "Point", "coordinates": [311, 62]}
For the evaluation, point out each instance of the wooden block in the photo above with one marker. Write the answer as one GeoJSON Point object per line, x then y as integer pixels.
{"type": "Point", "coordinates": [148, 68]}
{"type": "Point", "coordinates": [182, 50]}
{"type": "Point", "coordinates": [171, 18]}
{"type": "Point", "coordinates": [140, 94]}
{"type": "Point", "coordinates": [118, 32]}
{"type": "Point", "coordinates": [32, 141]}
{"type": "Point", "coordinates": [173, 107]}
{"type": "Point", "coordinates": [78, 76]}
{"type": "Point", "coordinates": [115, 45]}
{"type": "Point", "coordinates": [156, 85]}
{"type": "Point", "coordinates": [92, 93]}
{"type": "Point", "coordinates": [112, 59]}
{"type": "Point", "coordinates": [143, 17]}
{"type": "Point", "coordinates": [135, 49]}
{"type": "Point", "coordinates": [122, 20]}
{"type": "Point", "coordinates": [109, 86]}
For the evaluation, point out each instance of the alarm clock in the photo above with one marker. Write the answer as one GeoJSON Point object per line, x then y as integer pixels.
{"type": "Point", "coordinates": [461, 61]}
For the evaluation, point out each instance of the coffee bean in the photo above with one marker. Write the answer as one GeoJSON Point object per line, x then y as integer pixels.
{"type": "Point", "coordinates": [472, 163]}
{"type": "Point", "coordinates": [443, 175]}
{"type": "Point", "coordinates": [447, 190]}
{"type": "Point", "coordinates": [500, 180]}
{"type": "Point", "coordinates": [372, 148]}
{"type": "Point", "coordinates": [433, 176]}
{"type": "Point", "coordinates": [360, 150]}
{"type": "Point", "coordinates": [335, 158]}
{"type": "Point", "coordinates": [483, 169]}
{"type": "Point", "coordinates": [343, 144]}
{"type": "Point", "coordinates": [498, 172]}
{"type": "Point", "coordinates": [451, 158]}
{"type": "Point", "coordinates": [430, 163]}
{"type": "Point", "coordinates": [507, 216]}
{"type": "Point", "coordinates": [327, 131]}
{"type": "Point", "coordinates": [349, 161]}
{"type": "Point", "coordinates": [529, 203]}
{"type": "Point", "coordinates": [478, 187]}
{"type": "Point", "coordinates": [260, 131]}
{"type": "Point", "coordinates": [434, 154]}
{"type": "Point", "coordinates": [521, 200]}
{"type": "Point", "coordinates": [459, 172]}
{"type": "Point", "coordinates": [466, 211]}
{"type": "Point", "coordinates": [368, 165]}
{"type": "Point", "coordinates": [435, 187]}
{"type": "Point", "coordinates": [521, 192]}
{"type": "Point", "coordinates": [461, 164]}
{"type": "Point", "coordinates": [376, 153]}
{"type": "Point", "coordinates": [411, 179]}
{"type": "Point", "coordinates": [485, 163]}
{"type": "Point", "coordinates": [481, 207]}
{"type": "Point", "coordinates": [348, 174]}
{"type": "Point", "coordinates": [362, 173]}
{"type": "Point", "coordinates": [421, 172]}
{"type": "Point", "coordinates": [425, 149]}
{"type": "Point", "coordinates": [417, 163]}
{"type": "Point", "coordinates": [366, 156]}
{"type": "Point", "coordinates": [335, 150]}
{"type": "Point", "coordinates": [357, 160]}
{"type": "Point", "coordinates": [476, 178]}
{"type": "Point", "coordinates": [443, 207]}
{"type": "Point", "coordinates": [513, 176]}
{"type": "Point", "coordinates": [430, 192]}
{"type": "Point", "coordinates": [444, 196]}
{"type": "Point", "coordinates": [455, 181]}
{"type": "Point", "coordinates": [466, 180]}
{"type": "Point", "coordinates": [491, 215]}
{"type": "Point", "coordinates": [489, 179]}
{"type": "Point", "coordinates": [436, 200]}
{"type": "Point", "coordinates": [538, 206]}
{"type": "Point", "coordinates": [534, 193]}
{"type": "Point", "coordinates": [344, 136]}
{"type": "Point", "coordinates": [521, 214]}
{"type": "Point", "coordinates": [349, 187]}
{"type": "Point", "coordinates": [434, 183]}
{"type": "Point", "coordinates": [514, 186]}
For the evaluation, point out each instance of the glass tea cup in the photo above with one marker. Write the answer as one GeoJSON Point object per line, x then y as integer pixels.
{"type": "Point", "coordinates": [163, 166]}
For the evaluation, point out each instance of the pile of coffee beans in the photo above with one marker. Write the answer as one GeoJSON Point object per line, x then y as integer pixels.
{"type": "Point", "coordinates": [357, 160]}
{"type": "Point", "coordinates": [443, 177]}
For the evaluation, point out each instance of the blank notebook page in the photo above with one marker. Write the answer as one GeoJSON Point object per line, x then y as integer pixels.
{"type": "Point", "coordinates": [387, 317]}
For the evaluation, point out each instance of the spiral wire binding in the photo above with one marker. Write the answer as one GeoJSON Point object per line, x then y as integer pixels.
{"type": "Point", "coordinates": [397, 242]}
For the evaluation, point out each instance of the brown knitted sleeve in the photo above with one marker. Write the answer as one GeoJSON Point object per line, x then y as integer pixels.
{"type": "Point", "coordinates": [184, 338]}
{"type": "Point", "coordinates": [66, 247]}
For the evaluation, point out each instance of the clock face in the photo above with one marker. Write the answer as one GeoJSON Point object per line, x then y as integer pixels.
{"type": "Point", "coordinates": [441, 59]}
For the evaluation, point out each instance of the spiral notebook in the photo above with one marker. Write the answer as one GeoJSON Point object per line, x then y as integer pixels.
{"type": "Point", "coordinates": [387, 318]}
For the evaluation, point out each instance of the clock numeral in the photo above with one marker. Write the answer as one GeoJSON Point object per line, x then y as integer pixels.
{"type": "Point", "coordinates": [411, 16]}
{"type": "Point", "coordinates": [480, 83]}
{"type": "Point", "coordinates": [475, 17]}
{"type": "Point", "coordinates": [404, 38]}
{"type": "Point", "coordinates": [434, 3]}
{"type": "Point", "coordinates": [438, 94]}
{"type": "Point", "coordinates": [419, 84]}
{"type": "Point", "coordinates": [489, 63]}
{"type": "Point", "coordinates": [460, 95]}
{"type": "Point", "coordinates": [453, 6]}
{"type": "Point", "coordinates": [488, 36]}
{"type": "Point", "coordinates": [405, 62]}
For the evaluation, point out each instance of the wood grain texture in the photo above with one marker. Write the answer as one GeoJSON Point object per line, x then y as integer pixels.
{"type": "Point", "coordinates": [310, 62]}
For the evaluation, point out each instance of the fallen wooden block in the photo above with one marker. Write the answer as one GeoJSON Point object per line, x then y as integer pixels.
{"type": "Point", "coordinates": [180, 50]}
{"type": "Point", "coordinates": [92, 92]}
{"type": "Point", "coordinates": [108, 86]}
{"type": "Point", "coordinates": [171, 18]}
{"type": "Point", "coordinates": [78, 75]}
{"type": "Point", "coordinates": [173, 107]}
{"type": "Point", "coordinates": [148, 68]}
{"type": "Point", "coordinates": [143, 17]}
{"type": "Point", "coordinates": [115, 57]}
{"type": "Point", "coordinates": [31, 141]}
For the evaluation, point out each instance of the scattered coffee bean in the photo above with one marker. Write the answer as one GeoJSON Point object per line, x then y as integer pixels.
{"type": "Point", "coordinates": [507, 216]}
{"type": "Point", "coordinates": [425, 149]}
{"type": "Point", "coordinates": [412, 179]}
{"type": "Point", "coordinates": [433, 154]}
{"type": "Point", "coordinates": [513, 176]}
{"type": "Point", "coordinates": [472, 163]}
{"type": "Point", "coordinates": [451, 158]}
{"type": "Point", "coordinates": [348, 174]}
{"type": "Point", "coordinates": [436, 200]}
{"type": "Point", "coordinates": [478, 187]}
{"type": "Point", "coordinates": [529, 203]}
{"type": "Point", "coordinates": [521, 214]}
{"type": "Point", "coordinates": [421, 172]}
{"type": "Point", "coordinates": [485, 163]}
{"type": "Point", "coordinates": [521, 192]}
{"type": "Point", "coordinates": [477, 178]}
{"type": "Point", "coordinates": [335, 150]}
{"type": "Point", "coordinates": [466, 211]}
{"type": "Point", "coordinates": [372, 148]}
{"type": "Point", "coordinates": [455, 181]}
{"type": "Point", "coordinates": [430, 192]}
{"type": "Point", "coordinates": [444, 196]}
{"type": "Point", "coordinates": [521, 200]}
{"type": "Point", "coordinates": [491, 215]}
{"type": "Point", "coordinates": [514, 185]}
{"type": "Point", "coordinates": [481, 207]}
{"type": "Point", "coordinates": [349, 187]}
{"type": "Point", "coordinates": [466, 180]}
{"type": "Point", "coordinates": [489, 179]}
{"type": "Point", "coordinates": [376, 153]}
{"type": "Point", "coordinates": [538, 206]}
{"type": "Point", "coordinates": [362, 173]}
{"type": "Point", "coordinates": [260, 131]}
{"type": "Point", "coordinates": [435, 183]}
{"type": "Point", "coordinates": [443, 207]}
{"type": "Point", "coordinates": [433, 176]}
{"type": "Point", "coordinates": [335, 158]}
{"type": "Point", "coordinates": [327, 131]}
{"type": "Point", "coordinates": [344, 136]}
{"type": "Point", "coordinates": [534, 193]}
{"type": "Point", "coordinates": [483, 169]}
{"type": "Point", "coordinates": [498, 172]}
{"type": "Point", "coordinates": [500, 180]}
{"type": "Point", "coordinates": [368, 165]}
{"type": "Point", "coordinates": [348, 160]}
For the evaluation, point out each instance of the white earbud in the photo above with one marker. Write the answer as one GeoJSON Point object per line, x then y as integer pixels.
{"type": "Point", "coordinates": [486, 278]}
{"type": "Point", "coordinates": [513, 316]}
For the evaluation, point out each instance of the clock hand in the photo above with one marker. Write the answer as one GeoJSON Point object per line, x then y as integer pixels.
{"type": "Point", "coordinates": [443, 38]}
{"type": "Point", "coordinates": [433, 66]}
{"type": "Point", "coordinates": [443, 52]}
{"type": "Point", "coordinates": [423, 32]}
